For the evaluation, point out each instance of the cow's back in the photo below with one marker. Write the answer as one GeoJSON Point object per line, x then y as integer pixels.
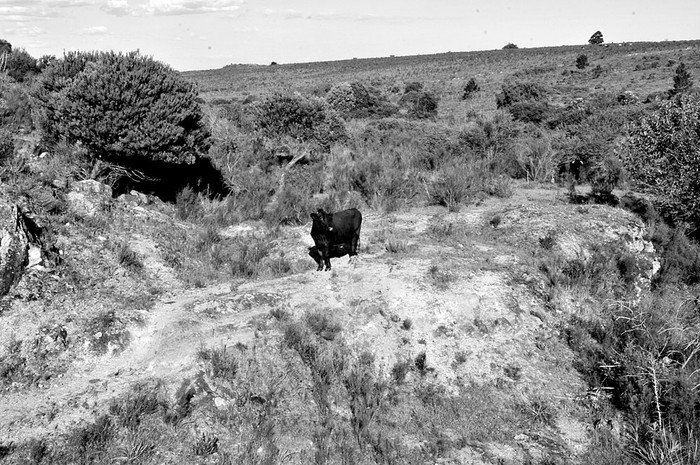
{"type": "Point", "coordinates": [347, 222]}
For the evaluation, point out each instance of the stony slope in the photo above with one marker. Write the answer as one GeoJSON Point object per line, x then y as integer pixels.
{"type": "Point", "coordinates": [464, 288]}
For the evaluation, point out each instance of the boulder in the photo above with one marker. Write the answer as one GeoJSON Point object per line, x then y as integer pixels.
{"type": "Point", "coordinates": [88, 198]}
{"type": "Point", "coordinates": [13, 247]}
{"type": "Point", "coordinates": [134, 198]}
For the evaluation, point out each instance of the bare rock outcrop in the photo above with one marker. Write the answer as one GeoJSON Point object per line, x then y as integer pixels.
{"type": "Point", "coordinates": [89, 197]}
{"type": "Point", "coordinates": [14, 245]}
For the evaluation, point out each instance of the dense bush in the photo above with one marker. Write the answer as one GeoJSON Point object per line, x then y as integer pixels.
{"type": "Point", "coordinates": [581, 61]}
{"type": "Point", "coordinates": [496, 136]}
{"type": "Point", "coordinates": [469, 89]}
{"type": "Point", "coordinates": [122, 107]}
{"type": "Point", "coordinates": [516, 92]}
{"type": "Point", "coordinates": [682, 82]}
{"type": "Point", "coordinates": [663, 157]}
{"type": "Point", "coordinates": [644, 354]}
{"type": "Point", "coordinates": [7, 146]}
{"type": "Point", "coordinates": [413, 86]}
{"type": "Point", "coordinates": [15, 106]}
{"type": "Point", "coordinates": [419, 104]}
{"type": "Point", "coordinates": [140, 121]}
{"type": "Point", "coordinates": [301, 118]}
{"type": "Point", "coordinates": [358, 100]}
{"type": "Point", "coordinates": [21, 65]}
{"type": "Point", "coordinates": [526, 101]}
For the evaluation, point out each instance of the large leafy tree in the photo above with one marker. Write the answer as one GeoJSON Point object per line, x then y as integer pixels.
{"type": "Point", "coordinates": [126, 109]}
{"type": "Point", "coordinates": [664, 157]}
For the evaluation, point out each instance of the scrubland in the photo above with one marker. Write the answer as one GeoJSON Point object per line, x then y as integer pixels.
{"type": "Point", "coordinates": [526, 291]}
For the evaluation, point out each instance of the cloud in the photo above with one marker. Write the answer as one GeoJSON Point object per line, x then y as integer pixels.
{"type": "Point", "coordinates": [66, 3]}
{"type": "Point", "coordinates": [170, 7]}
{"type": "Point", "coordinates": [24, 30]}
{"type": "Point", "coordinates": [286, 14]}
{"type": "Point", "coordinates": [24, 10]}
{"type": "Point", "coordinates": [21, 13]}
{"type": "Point", "coordinates": [118, 8]}
{"type": "Point", "coordinates": [330, 16]}
{"type": "Point", "coordinates": [95, 31]}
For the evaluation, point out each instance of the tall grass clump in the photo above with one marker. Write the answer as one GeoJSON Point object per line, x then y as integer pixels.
{"type": "Point", "coordinates": [454, 184]}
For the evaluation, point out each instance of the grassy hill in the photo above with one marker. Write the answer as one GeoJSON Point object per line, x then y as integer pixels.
{"type": "Point", "coordinates": [640, 67]}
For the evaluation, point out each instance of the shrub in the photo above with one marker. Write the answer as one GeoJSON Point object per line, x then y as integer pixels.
{"type": "Point", "coordinates": [221, 363]}
{"type": "Point", "coordinates": [21, 65]}
{"type": "Point", "coordinates": [663, 157]}
{"type": "Point", "coordinates": [7, 146]}
{"type": "Point", "coordinates": [131, 409]}
{"type": "Point", "coordinates": [537, 158]}
{"type": "Point", "coordinates": [606, 174]}
{"type": "Point", "coordinates": [358, 100]}
{"type": "Point", "coordinates": [517, 92]}
{"type": "Point", "coordinates": [455, 183]}
{"type": "Point", "coordinates": [15, 106]}
{"type": "Point", "coordinates": [510, 46]}
{"type": "Point", "coordinates": [419, 104]}
{"type": "Point", "coordinates": [414, 86]}
{"type": "Point", "coordinates": [469, 89]}
{"type": "Point", "coordinates": [490, 135]}
{"type": "Point", "coordinates": [301, 118]}
{"type": "Point", "coordinates": [581, 61]}
{"type": "Point", "coordinates": [530, 111]}
{"type": "Point", "coordinates": [682, 82]}
{"type": "Point", "coordinates": [127, 258]}
{"type": "Point", "coordinates": [441, 280]}
{"type": "Point", "coordinates": [188, 205]}
{"type": "Point", "coordinates": [127, 110]}
{"type": "Point", "coordinates": [596, 38]}
{"type": "Point", "coordinates": [323, 325]}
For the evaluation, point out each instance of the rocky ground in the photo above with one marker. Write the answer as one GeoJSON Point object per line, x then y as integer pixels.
{"type": "Point", "coordinates": [464, 288]}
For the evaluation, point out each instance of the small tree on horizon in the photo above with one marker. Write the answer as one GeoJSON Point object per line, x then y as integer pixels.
{"type": "Point", "coordinates": [596, 38]}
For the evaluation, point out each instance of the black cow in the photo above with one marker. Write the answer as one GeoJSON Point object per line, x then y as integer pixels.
{"type": "Point", "coordinates": [335, 235]}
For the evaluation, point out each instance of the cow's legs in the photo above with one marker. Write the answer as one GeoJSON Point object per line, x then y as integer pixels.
{"type": "Point", "coordinates": [316, 255]}
{"type": "Point", "coordinates": [325, 257]}
{"type": "Point", "coordinates": [353, 245]}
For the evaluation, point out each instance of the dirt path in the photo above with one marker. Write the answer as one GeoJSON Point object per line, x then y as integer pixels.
{"type": "Point", "coordinates": [165, 347]}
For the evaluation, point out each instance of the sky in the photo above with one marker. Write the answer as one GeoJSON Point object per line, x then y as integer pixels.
{"type": "Point", "coordinates": [210, 34]}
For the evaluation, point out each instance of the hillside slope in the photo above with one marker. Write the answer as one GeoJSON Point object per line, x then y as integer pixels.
{"type": "Point", "coordinates": [460, 297]}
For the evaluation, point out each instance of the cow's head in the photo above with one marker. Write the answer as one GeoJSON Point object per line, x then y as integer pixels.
{"type": "Point", "coordinates": [323, 218]}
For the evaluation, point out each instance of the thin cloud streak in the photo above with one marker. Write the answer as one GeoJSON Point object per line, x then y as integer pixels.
{"type": "Point", "coordinates": [171, 7]}
{"type": "Point", "coordinates": [95, 31]}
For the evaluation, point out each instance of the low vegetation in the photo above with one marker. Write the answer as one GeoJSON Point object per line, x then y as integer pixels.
{"type": "Point", "coordinates": [211, 176]}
